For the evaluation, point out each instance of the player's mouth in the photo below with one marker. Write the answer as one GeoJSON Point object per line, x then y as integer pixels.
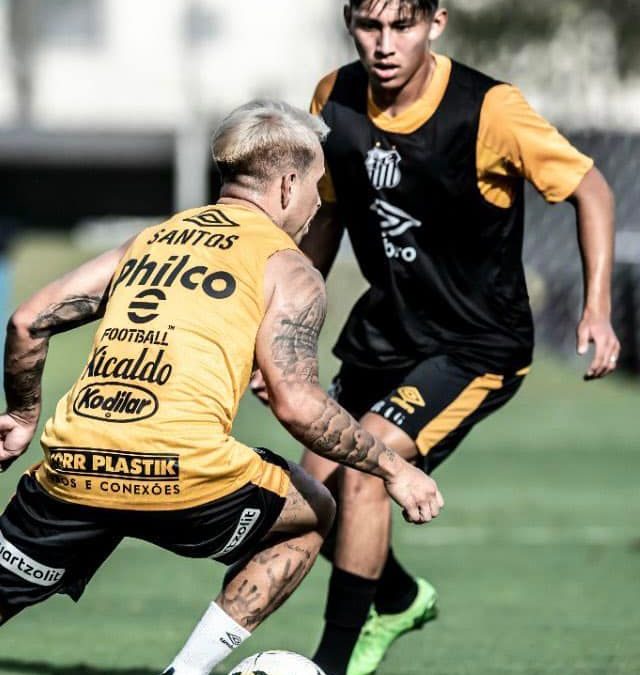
{"type": "Point", "coordinates": [385, 71]}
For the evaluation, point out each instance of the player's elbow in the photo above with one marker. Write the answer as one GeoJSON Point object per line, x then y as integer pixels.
{"type": "Point", "coordinates": [594, 188]}
{"type": "Point", "coordinates": [284, 407]}
{"type": "Point", "coordinates": [21, 322]}
{"type": "Point", "coordinates": [289, 403]}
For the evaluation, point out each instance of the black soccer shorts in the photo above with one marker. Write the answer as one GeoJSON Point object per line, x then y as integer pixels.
{"type": "Point", "coordinates": [48, 546]}
{"type": "Point", "coordinates": [436, 402]}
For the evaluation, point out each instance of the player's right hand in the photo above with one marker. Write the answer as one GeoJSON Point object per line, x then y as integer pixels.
{"type": "Point", "coordinates": [416, 493]}
{"type": "Point", "coordinates": [15, 436]}
{"type": "Point", "coordinates": [258, 387]}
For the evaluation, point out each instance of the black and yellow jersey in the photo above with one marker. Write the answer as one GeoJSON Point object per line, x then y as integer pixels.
{"type": "Point", "coordinates": [147, 424]}
{"type": "Point", "coordinates": [433, 200]}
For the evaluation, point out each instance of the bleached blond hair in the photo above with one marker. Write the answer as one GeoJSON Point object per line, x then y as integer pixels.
{"type": "Point", "coordinates": [265, 138]}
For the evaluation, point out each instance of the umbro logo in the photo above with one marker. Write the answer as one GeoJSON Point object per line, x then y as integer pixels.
{"type": "Point", "coordinates": [393, 220]}
{"type": "Point", "coordinates": [408, 399]}
{"type": "Point", "coordinates": [211, 218]}
{"type": "Point", "coordinates": [231, 641]}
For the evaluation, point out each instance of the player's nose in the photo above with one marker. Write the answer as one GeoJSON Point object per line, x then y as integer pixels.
{"type": "Point", "coordinates": [384, 44]}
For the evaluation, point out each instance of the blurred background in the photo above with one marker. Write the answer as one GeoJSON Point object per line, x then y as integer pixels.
{"type": "Point", "coordinates": [106, 108]}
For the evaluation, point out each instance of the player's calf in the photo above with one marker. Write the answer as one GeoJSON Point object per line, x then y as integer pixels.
{"type": "Point", "coordinates": [285, 556]}
{"type": "Point", "coordinates": [259, 585]}
{"type": "Point", "coordinates": [363, 540]}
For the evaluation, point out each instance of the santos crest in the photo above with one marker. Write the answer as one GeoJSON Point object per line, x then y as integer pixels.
{"type": "Point", "coordinates": [383, 167]}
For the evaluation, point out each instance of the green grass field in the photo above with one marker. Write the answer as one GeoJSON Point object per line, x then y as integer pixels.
{"type": "Point", "coordinates": [536, 558]}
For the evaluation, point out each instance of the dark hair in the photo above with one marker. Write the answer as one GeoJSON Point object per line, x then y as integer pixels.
{"type": "Point", "coordinates": [426, 6]}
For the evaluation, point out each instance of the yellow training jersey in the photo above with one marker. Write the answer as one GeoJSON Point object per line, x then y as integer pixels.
{"type": "Point", "coordinates": [147, 424]}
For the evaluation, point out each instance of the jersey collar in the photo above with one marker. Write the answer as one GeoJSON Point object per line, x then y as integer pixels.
{"type": "Point", "coordinates": [422, 110]}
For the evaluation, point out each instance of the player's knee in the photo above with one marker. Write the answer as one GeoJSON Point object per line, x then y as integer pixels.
{"type": "Point", "coordinates": [318, 497]}
{"type": "Point", "coordinates": [359, 488]}
{"type": "Point", "coordinates": [360, 484]}
{"type": "Point", "coordinates": [323, 504]}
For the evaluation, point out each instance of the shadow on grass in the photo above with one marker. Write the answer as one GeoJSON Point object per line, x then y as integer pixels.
{"type": "Point", "coordinates": [40, 668]}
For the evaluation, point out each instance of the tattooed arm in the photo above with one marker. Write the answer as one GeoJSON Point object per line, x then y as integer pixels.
{"type": "Point", "coordinates": [320, 245]}
{"type": "Point", "coordinates": [287, 354]}
{"type": "Point", "coordinates": [73, 300]}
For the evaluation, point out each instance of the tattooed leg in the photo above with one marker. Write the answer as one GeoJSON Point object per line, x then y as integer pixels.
{"type": "Point", "coordinates": [290, 549]}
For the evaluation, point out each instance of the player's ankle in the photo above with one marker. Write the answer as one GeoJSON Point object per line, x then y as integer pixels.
{"type": "Point", "coordinates": [211, 641]}
{"type": "Point", "coordinates": [397, 588]}
{"type": "Point", "coordinates": [348, 603]}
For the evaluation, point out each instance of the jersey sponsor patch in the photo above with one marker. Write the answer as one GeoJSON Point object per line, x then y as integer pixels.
{"type": "Point", "coordinates": [14, 560]}
{"type": "Point", "coordinates": [115, 402]}
{"type": "Point", "coordinates": [115, 464]}
{"type": "Point", "coordinates": [144, 307]}
{"type": "Point", "coordinates": [147, 271]}
{"type": "Point", "coordinates": [247, 520]}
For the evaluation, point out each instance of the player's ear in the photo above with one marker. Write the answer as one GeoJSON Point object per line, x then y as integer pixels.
{"type": "Point", "coordinates": [287, 186]}
{"type": "Point", "coordinates": [438, 23]}
{"type": "Point", "coordinates": [346, 13]}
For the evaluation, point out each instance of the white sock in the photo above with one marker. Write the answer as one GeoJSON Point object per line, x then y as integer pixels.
{"type": "Point", "coordinates": [212, 640]}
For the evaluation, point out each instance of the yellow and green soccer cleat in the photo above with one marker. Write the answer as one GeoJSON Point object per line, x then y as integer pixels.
{"type": "Point", "coordinates": [381, 630]}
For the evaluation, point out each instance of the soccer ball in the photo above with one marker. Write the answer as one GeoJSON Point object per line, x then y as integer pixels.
{"type": "Point", "coordinates": [276, 663]}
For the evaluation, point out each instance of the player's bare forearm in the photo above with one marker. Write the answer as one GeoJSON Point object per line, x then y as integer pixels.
{"type": "Point", "coordinates": [301, 405]}
{"type": "Point", "coordinates": [28, 336]}
{"type": "Point", "coordinates": [287, 354]}
{"type": "Point", "coordinates": [24, 363]}
{"type": "Point", "coordinates": [322, 242]}
{"type": "Point", "coordinates": [595, 210]}
{"type": "Point", "coordinates": [324, 427]}
{"type": "Point", "coordinates": [73, 300]}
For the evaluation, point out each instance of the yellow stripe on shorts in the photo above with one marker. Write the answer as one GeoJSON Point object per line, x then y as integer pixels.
{"type": "Point", "coordinates": [467, 402]}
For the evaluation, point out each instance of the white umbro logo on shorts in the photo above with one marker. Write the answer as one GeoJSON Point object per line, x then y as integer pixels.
{"type": "Point", "coordinates": [14, 560]}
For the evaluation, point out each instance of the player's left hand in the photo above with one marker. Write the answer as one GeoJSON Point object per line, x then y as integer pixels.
{"type": "Point", "coordinates": [15, 436]}
{"type": "Point", "coordinates": [598, 329]}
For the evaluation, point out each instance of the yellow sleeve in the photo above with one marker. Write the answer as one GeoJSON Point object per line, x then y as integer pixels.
{"type": "Point", "coordinates": [514, 140]}
{"type": "Point", "coordinates": [320, 97]}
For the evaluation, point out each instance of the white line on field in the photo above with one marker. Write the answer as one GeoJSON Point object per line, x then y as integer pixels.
{"type": "Point", "coordinates": [538, 535]}
{"type": "Point", "coordinates": [443, 535]}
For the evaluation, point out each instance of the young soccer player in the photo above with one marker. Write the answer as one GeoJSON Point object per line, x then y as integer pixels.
{"type": "Point", "coordinates": [426, 163]}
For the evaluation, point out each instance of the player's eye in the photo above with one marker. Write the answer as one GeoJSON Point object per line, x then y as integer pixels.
{"type": "Point", "coordinates": [365, 24]}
